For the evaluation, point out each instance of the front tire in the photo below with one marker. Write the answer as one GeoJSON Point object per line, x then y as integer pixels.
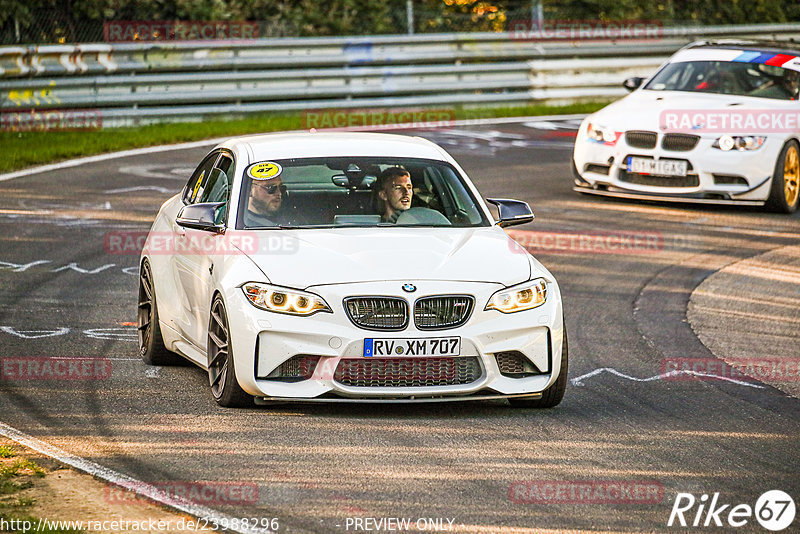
{"type": "Point", "coordinates": [151, 344]}
{"type": "Point", "coordinates": [552, 396]}
{"type": "Point", "coordinates": [221, 370]}
{"type": "Point", "coordinates": [785, 189]}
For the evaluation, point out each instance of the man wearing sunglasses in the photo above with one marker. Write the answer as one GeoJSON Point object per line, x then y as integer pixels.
{"type": "Point", "coordinates": [264, 205]}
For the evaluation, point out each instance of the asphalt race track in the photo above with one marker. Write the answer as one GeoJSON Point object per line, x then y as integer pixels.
{"type": "Point", "coordinates": [475, 465]}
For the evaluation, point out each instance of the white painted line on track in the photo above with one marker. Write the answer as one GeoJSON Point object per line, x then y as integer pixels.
{"type": "Point", "coordinates": [578, 381]}
{"type": "Point", "coordinates": [209, 142]}
{"type": "Point", "coordinates": [109, 475]}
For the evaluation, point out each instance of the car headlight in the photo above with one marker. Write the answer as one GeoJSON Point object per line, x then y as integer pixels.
{"type": "Point", "coordinates": [283, 300]}
{"type": "Point", "coordinates": [739, 142]}
{"type": "Point", "coordinates": [600, 134]}
{"type": "Point", "coordinates": [518, 298]}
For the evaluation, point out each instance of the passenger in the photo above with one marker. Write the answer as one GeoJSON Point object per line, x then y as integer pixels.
{"type": "Point", "coordinates": [264, 204]}
{"type": "Point", "coordinates": [395, 190]}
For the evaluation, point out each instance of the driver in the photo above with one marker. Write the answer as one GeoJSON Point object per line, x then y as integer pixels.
{"type": "Point", "coordinates": [395, 190]}
{"type": "Point", "coordinates": [264, 204]}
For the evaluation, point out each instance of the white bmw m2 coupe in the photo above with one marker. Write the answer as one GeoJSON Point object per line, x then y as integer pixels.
{"type": "Point", "coordinates": [348, 267]}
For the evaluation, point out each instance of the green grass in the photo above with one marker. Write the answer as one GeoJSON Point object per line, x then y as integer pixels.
{"type": "Point", "coordinates": [9, 487]}
{"type": "Point", "coordinates": [40, 147]}
{"type": "Point", "coordinates": [15, 477]}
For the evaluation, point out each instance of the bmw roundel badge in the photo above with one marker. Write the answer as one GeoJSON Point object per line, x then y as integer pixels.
{"type": "Point", "coordinates": [409, 288]}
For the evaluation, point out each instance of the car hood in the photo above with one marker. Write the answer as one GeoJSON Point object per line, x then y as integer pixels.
{"type": "Point", "coordinates": [310, 257]}
{"type": "Point", "coordinates": [641, 110]}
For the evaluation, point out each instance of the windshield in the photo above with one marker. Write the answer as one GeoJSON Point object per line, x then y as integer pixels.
{"type": "Point", "coordinates": [356, 191]}
{"type": "Point", "coordinates": [729, 78]}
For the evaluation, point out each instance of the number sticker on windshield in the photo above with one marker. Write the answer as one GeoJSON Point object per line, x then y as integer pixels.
{"type": "Point", "coordinates": [264, 170]}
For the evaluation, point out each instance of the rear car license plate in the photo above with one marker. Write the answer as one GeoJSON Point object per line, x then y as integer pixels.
{"type": "Point", "coordinates": [661, 167]}
{"type": "Point", "coordinates": [431, 346]}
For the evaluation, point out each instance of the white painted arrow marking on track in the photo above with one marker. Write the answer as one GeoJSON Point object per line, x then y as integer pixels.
{"type": "Point", "coordinates": [578, 381]}
{"type": "Point", "coordinates": [34, 334]}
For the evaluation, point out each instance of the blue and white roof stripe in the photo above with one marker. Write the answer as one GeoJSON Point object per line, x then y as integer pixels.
{"type": "Point", "coordinates": [787, 61]}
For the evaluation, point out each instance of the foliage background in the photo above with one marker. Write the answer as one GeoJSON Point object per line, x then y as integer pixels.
{"type": "Point", "coordinates": [68, 21]}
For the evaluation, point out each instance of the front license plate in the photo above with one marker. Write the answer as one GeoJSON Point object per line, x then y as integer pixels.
{"type": "Point", "coordinates": [662, 167]}
{"type": "Point", "coordinates": [431, 346]}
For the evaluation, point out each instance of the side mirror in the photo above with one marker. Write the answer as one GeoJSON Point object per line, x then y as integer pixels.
{"type": "Point", "coordinates": [512, 212]}
{"type": "Point", "coordinates": [632, 83]}
{"type": "Point", "coordinates": [340, 180]}
{"type": "Point", "coordinates": [203, 216]}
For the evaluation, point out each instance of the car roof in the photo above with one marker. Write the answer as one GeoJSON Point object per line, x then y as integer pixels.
{"type": "Point", "coordinates": [333, 144]}
{"type": "Point", "coordinates": [779, 47]}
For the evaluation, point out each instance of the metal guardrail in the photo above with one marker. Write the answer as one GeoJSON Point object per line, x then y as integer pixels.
{"type": "Point", "coordinates": [135, 83]}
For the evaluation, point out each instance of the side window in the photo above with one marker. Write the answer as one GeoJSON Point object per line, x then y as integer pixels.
{"type": "Point", "coordinates": [196, 184]}
{"type": "Point", "coordinates": [217, 187]}
{"type": "Point", "coordinates": [224, 164]}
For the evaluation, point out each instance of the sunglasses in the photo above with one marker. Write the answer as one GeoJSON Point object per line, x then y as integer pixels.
{"type": "Point", "coordinates": [271, 189]}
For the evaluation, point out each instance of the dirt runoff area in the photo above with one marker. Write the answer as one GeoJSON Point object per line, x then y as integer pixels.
{"type": "Point", "coordinates": [38, 494]}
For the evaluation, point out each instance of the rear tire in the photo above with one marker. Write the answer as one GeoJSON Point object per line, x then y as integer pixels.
{"type": "Point", "coordinates": [551, 396]}
{"type": "Point", "coordinates": [151, 344]}
{"type": "Point", "coordinates": [221, 370]}
{"type": "Point", "coordinates": [784, 192]}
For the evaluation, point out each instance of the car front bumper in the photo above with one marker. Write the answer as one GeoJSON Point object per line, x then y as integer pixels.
{"type": "Point", "coordinates": [261, 341]}
{"type": "Point", "coordinates": [602, 169]}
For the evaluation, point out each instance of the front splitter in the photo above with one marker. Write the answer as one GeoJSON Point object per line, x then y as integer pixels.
{"type": "Point", "coordinates": [666, 198]}
{"type": "Point", "coordinates": [263, 401]}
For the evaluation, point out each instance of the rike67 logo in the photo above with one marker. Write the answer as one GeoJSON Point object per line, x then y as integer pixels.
{"type": "Point", "coordinates": [774, 510]}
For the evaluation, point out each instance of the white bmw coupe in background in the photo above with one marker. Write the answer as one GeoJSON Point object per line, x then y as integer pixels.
{"type": "Point", "coordinates": [291, 268]}
{"type": "Point", "coordinates": [717, 123]}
